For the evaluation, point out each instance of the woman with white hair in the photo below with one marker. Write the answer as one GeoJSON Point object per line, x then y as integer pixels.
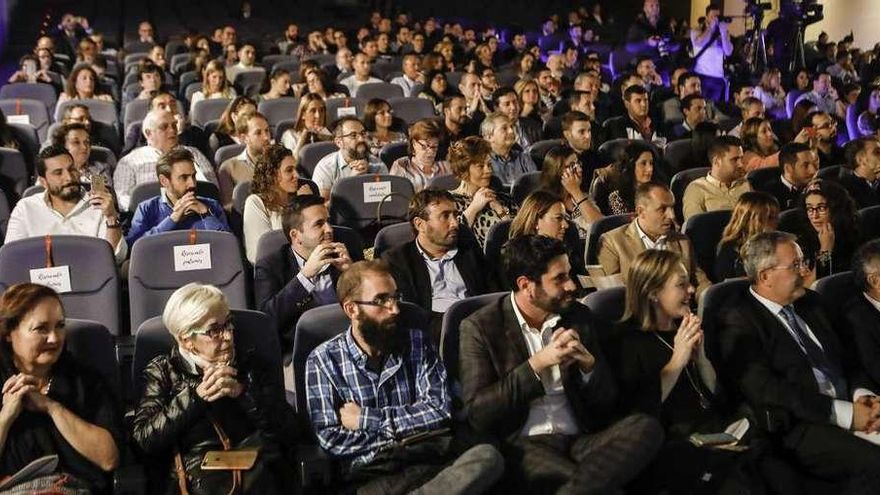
{"type": "Point", "coordinates": [207, 394]}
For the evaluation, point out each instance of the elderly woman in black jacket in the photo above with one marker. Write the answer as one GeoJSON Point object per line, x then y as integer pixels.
{"type": "Point", "coordinates": [207, 395]}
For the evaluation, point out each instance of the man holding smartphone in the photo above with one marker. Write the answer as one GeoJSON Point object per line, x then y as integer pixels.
{"type": "Point", "coordinates": [711, 44]}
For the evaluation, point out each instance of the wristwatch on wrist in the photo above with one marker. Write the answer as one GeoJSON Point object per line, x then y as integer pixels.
{"type": "Point", "coordinates": [112, 223]}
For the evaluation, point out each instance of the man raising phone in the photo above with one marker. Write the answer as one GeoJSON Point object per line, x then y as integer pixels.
{"type": "Point", "coordinates": [711, 44]}
{"type": "Point", "coordinates": [176, 207]}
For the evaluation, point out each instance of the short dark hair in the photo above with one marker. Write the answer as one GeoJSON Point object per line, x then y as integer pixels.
{"type": "Point", "coordinates": [161, 92]}
{"type": "Point", "coordinates": [293, 218]}
{"type": "Point", "coordinates": [711, 7]}
{"type": "Point", "coordinates": [636, 89]}
{"type": "Point", "coordinates": [867, 254]}
{"type": "Point", "coordinates": [447, 102]}
{"type": "Point", "coordinates": [788, 153]}
{"type": "Point", "coordinates": [49, 152]}
{"type": "Point", "coordinates": [167, 160]}
{"type": "Point", "coordinates": [418, 205]}
{"type": "Point", "coordinates": [689, 99]}
{"type": "Point", "coordinates": [808, 120]}
{"type": "Point", "coordinates": [721, 144]}
{"type": "Point", "coordinates": [854, 148]}
{"type": "Point", "coordinates": [574, 97]}
{"type": "Point", "coordinates": [502, 91]}
{"type": "Point", "coordinates": [528, 256]}
{"type": "Point", "coordinates": [570, 118]}
{"type": "Point", "coordinates": [682, 79]}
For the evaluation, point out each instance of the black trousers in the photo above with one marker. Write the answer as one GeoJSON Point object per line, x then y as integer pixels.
{"type": "Point", "coordinates": [594, 463]}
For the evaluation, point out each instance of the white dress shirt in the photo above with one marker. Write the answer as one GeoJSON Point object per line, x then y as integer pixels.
{"type": "Point", "coordinates": [34, 217]}
{"type": "Point", "coordinates": [550, 413]}
{"type": "Point", "coordinates": [333, 167]}
{"type": "Point", "coordinates": [660, 243]}
{"type": "Point", "coordinates": [139, 166]}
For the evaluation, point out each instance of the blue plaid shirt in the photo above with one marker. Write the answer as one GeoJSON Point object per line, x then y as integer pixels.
{"type": "Point", "coordinates": [408, 396]}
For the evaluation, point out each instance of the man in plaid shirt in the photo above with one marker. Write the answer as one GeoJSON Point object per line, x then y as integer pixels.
{"type": "Point", "coordinates": [377, 384]}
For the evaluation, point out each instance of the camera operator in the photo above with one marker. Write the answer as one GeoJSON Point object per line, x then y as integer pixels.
{"type": "Point", "coordinates": [650, 34]}
{"type": "Point", "coordinates": [711, 44]}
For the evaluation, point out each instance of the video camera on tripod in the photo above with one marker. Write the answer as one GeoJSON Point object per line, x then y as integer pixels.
{"type": "Point", "coordinates": [805, 12]}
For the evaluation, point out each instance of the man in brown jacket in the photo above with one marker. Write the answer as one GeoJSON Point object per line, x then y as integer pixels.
{"type": "Point", "coordinates": [652, 228]}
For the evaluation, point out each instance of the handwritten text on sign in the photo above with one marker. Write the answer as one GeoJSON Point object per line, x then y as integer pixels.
{"type": "Point", "coordinates": [375, 191]}
{"type": "Point", "coordinates": [192, 257]}
{"type": "Point", "coordinates": [56, 277]}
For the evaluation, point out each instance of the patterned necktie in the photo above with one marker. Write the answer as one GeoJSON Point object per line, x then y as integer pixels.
{"type": "Point", "coordinates": [815, 355]}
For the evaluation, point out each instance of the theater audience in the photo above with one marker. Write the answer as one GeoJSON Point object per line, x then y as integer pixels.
{"type": "Point", "coordinates": [317, 82]}
{"type": "Point", "coordinates": [827, 227]}
{"type": "Point", "coordinates": [82, 84]}
{"type": "Point", "coordinates": [253, 132]}
{"type": "Point", "coordinates": [422, 162]}
{"type": "Point", "coordinates": [435, 89]}
{"type": "Point", "coordinates": [75, 139]}
{"type": "Point", "coordinates": [65, 208]}
{"type": "Point", "coordinates": [863, 170]}
{"type": "Point", "coordinates": [277, 86]}
{"type": "Point", "coordinates": [361, 75]}
{"type": "Point", "coordinates": [652, 228]}
{"type": "Point", "coordinates": [176, 207]}
{"type": "Point", "coordinates": [724, 183]}
{"type": "Point", "coordinates": [780, 353]}
{"type": "Point", "coordinates": [139, 166]}
{"type": "Point", "coordinates": [209, 393]}
{"type": "Point", "coordinates": [636, 123]}
{"type": "Point", "coordinates": [225, 134]}
{"type": "Point", "coordinates": [753, 213]}
{"type": "Point", "coordinates": [693, 107]}
{"type": "Point", "coordinates": [562, 174]}
{"type": "Point", "coordinates": [771, 93]}
{"type": "Point", "coordinates": [799, 166]}
{"type": "Point", "coordinates": [379, 121]}
{"type": "Point", "coordinates": [615, 186]}
{"type": "Point", "coordinates": [509, 161]}
{"type": "Point", "coordinates": [187, 135]}
{"type": "Point", "coordinates": [506, 101]}
{"type": "Point", "coordinates": [479, 205]}
{"type": "Point", "coordinates": [440, 266]}
{"type": "Point", "coordinates": [824, 132]}
{"type": "Point", "coordinates": [867, 122]}
{"type": "Point", "coordinates": [302, 274]}
{"type": "Point", "coordinates": [353, 158]}
{"type": "Point", "coordinates": [379, 382]}
{"type": "Point", "coordinates": [53, 404]}
{"type": "Point", "coordinates": [309, 126]}
{"type": "Point", "coordinates": [556, 431]}
{"type": "Point", "coordinates": [577, 133]}
{"type": "Point", "coordinates": [862, 311]}
{"type": "Point", "coordinates": [823, 94]}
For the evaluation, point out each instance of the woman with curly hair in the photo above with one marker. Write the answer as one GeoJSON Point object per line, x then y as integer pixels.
{"type": "Point", "coordinates": [82, 84]}
{"type": "Point", "coordinates": [827, 227]}
{"type": "Point", "coordinates": [614, 188]}
{"type": "Point", "coordinates": [275, 181]}
{"type": "Point", "coordinates": [379, 122]}
{"type": "Point", "coordinates": [309, 127]}
{"type": "Point", "coordinates": [754, 213]}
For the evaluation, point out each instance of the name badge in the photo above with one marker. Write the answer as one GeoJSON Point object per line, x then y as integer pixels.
{"type": "Point", "coordinates": [346, 111]}
{"type": "Point", "coordinates": [19, 119]}
{"type": "Point", "coordinates": [375, 191]}
{"type": "Point", "coordinates": [192, 257]}
{"type": "Point", "coordinates": [56, 277]}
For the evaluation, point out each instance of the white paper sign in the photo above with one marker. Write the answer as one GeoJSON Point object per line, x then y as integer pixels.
{"type": "Point", "coordinates": [56, 277]}
{"type": "Point", "coordinates": [19, 119]}
{"type": "Point", "coordinates": [192, 257]}
{"type": "Point", "coordinates": [375, 191]}
{"type": "Point", "coordinates": [346, 111]}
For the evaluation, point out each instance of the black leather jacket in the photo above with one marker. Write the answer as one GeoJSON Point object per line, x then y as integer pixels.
{"type": "Point", "coordinates": [171, 417]}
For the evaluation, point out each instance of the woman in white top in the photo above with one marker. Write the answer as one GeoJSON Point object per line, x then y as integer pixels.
{"type": "Point", "coordinates": [214, 84]}
{"type": "Point", "coordinates": [275, 180]}
{"type": "Point", "coordinates": [309, 127]}
{"type": "Point", "coordinates": [421, 165]}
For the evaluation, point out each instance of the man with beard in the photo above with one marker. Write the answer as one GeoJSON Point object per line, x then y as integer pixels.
{"type": "Point", "coordinates": [781, 353]}
{"type": "Point", "coordinates": [456, 123]}
{"type": "Point", "coordinates": [377, 384]}
{"type": "Point", "coordinates": [160, 129]}
{"type": "Point", "coordinates": [253, 132]}
{"type": "Point", "coordinates": [534, 379]}
{"type": "Point", "coordinates": [577, 133]}
{"type": "Point", "coordinates": [723, 185]}
{"type": "Point", "coordinates": [652, 228]}
{"type": "Point", "coordinates": [301, 275]}
{"type": "Point", "coordinates": [825, 139]}
{"type": "Point", "coordinates": [438, 268]}
{"type": "Point", "coordinates": [353, 157]}
{"type": "Point", "coordinates": [64, 209]}
{"type": "Point", "coordinates": [176, 207]}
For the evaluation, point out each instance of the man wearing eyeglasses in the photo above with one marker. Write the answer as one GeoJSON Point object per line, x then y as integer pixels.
{"type": "Point", "coordinates": [379, 402]}
{"type": "Point", "coordinates": [780, 352]}
{"type": "Point", "coordinates": [823, 136]}
{"type": "Point", "coordinates": [353, 157]}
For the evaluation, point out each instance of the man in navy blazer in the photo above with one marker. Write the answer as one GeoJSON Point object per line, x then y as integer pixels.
{"type": "Point", "coordinates": [301, 275]}
{"type": "Point", "coordinates": [438, 267]}
{"type": "Point", "coordinates": [781, 355]}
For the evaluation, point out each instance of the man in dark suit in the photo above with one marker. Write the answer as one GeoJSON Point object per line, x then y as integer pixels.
{"type": "Point", "coordinates": [799, 165]}
{"type": "Point", "coordinates": [694, 109]}
{"type": "Point", "coordinates": [863, 164]}
{"type": "Point", "coordinates": [862, 312]}
{"type": "Point", "coordinates": [301, 275]}
{"type": "Point", "coordinates": [780, 353]}
{"type": "Point", "coordinates": [534, 379]}
{"type": "Point", "coordinates": [438, 268]}
{"type": "Point", "coordinates": [636, 123]}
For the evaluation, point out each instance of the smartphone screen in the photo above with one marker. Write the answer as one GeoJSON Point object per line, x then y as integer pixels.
{"type": "Point", "coordinates": [99, 183]}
